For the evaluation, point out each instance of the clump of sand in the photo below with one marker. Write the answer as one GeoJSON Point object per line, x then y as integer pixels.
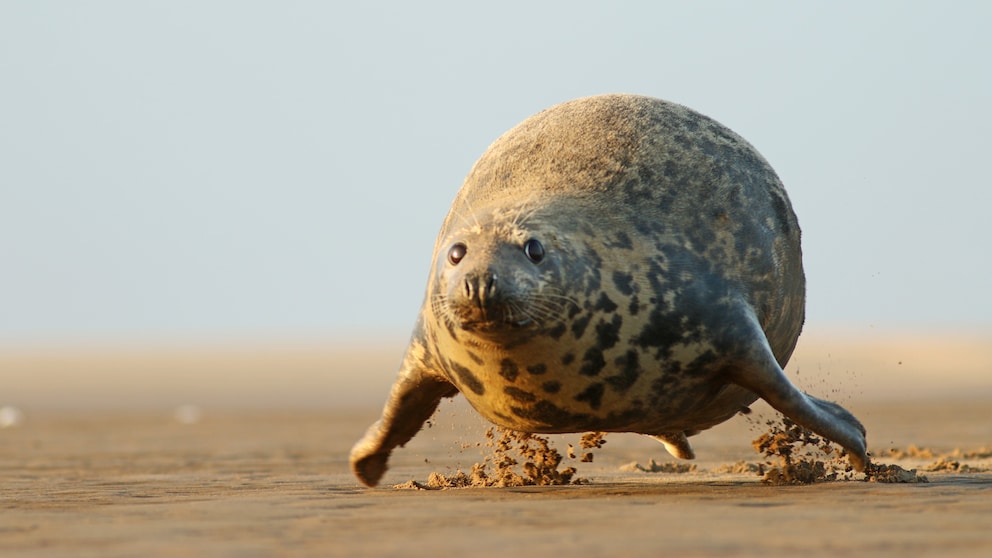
{"type": "Point", "coordinates": [795, 455]}
{"type": "Point", "coordinates": [912, 452]}
{"type": "Point", "coordinates": [741, 468]}
{"type": "Point", "coordinates": [945, 464]}
{"type": "Point", "coordinates": [805, 458]}
{"type": "Point", "coordinates": [539, 463]}
{"type": "Point", "coordinates": [880, 472]}
{"type": "Point", "coordinates": [655, 467]}
{"type": "Point", "coordinates": [949, 462]}
{"type": "Point", "coordinates": [980, 453]}
{"type": "Point", "coordinates": [589, 440]}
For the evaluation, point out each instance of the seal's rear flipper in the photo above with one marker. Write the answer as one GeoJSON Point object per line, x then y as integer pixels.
{"type": "Point", "coordinates": [413, 399]}
{"type": "Point", "coordinates": [677, 444]}
{"type": "Point", "coordinates": [761, 374]}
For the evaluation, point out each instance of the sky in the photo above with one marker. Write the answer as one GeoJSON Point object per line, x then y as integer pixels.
{"type": "Point", "coordinates": [216, 170]}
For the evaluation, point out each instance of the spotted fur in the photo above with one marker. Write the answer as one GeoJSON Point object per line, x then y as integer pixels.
{"type": "Point", "coordinates": [667, 295]}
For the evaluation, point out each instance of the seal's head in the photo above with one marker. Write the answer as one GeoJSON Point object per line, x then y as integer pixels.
{"type": "Point", "coordinates": [497, 276]}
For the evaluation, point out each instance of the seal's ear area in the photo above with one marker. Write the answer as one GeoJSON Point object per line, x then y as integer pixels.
{"type": "Point", "coordinates": [413, 399]}
{"type": "Point", "coordinates": [760, 373]}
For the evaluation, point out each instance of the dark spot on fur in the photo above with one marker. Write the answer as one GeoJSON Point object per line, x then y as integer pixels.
{"type": "Point", "coordinates": [781, 211]}
{"type": "Point", "coordinates": [593, 395]}
{"type": "Point", "coordinates": [588, 267]}
{"type": "Point", "coordinates": [662, 331]}
{"type": "Point", "coordinates": [450, 327]}
{"type": "Point", "coordinates": [475, 358]}
{"type": "Point", "coordinates": [519, 395]}
{"type": "Point", "coordinates": [630, 371]}
{"type": "Point", "coordinates": [467, 378]}
{"type": "Point", "coordinates": [621, 240]}
{"type": "Point", "coordinates": [639, 190]}
{"type": "Point", "coordinates": [579, 325]}
{"type": "Point", "coordinates": [634, 307]}
{"type": "Point", "coordinates": [608, 333]}
{"type": "Point", "coordinates": [593, 362]}
{"type": "Point", "coordinates": [605, 304]}
{"type": "Point", "coordinates": [667, 383]}
{"type": "Point", "coordinates": [670, 169]}
{"type": "Point", "coordinates": [702, 364]}
{"type": "Point", "coordinates": [549, 414]}
{"type": "Point", "coordinates": [646, 178]}
{"type": "Point", "coordinates": [593, 282]}
{"type": "Point", "coordinates": [624, 282]}
{"type": "Point", "coordinates": [551, 387]}
{"type": "Point", "coordinates": [691, 122]}
{"type": "Point", "coordinates": [557, 331]}
{"type": "Point", "coordinates": [656, 275]}
{"type": "Point", "coordinates": [568, 358]}
{"type": "Point", "coordinates": [508, 370]}
{"type": "Point", "coordinates": [537, 369]}
{"type": "Point", "coordinates": [643, 227]}
{"type": "Point", "coordinates": [556, 419]}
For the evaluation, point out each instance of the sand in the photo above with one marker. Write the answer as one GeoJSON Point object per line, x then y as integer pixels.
{"type": "Point", "coordinates": [93, 464]}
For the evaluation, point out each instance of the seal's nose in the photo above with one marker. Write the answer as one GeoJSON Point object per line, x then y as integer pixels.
{"type": "Point", "coordinates": [480, 288]}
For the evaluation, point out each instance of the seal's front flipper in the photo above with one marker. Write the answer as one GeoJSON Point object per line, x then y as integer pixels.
{"type": "Point", "coordinates": [761, 374]}
{"type": "Point", "coordinates": [412, 401]}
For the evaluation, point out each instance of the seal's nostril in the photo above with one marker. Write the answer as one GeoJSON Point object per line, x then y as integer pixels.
{"type": "Point", "coordinates": [469, 291]}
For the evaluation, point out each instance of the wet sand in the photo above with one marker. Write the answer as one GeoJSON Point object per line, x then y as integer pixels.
{"type": "Point", "coordinates": [101, 466]}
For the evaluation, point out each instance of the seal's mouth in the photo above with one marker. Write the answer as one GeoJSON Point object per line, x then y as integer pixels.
{"type": "Point", "coordinates": [485, 326]}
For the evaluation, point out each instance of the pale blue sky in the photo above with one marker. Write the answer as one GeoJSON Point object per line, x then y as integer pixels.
{"type": "Point", "coordinates": [231, 170]}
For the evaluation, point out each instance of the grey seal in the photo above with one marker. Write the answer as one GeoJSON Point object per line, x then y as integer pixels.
{"type": "Point", "coordinates": [615, 263]}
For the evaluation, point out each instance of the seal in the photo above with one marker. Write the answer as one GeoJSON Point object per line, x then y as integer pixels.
{"type": "Point", "coordinates": [615, 263]}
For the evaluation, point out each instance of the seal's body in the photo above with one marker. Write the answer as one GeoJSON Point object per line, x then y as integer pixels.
{"type": "Point", "coordinates": [614, 263]}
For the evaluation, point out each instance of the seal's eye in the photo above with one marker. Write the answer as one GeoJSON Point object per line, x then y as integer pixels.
{"type": "Point", "coordinates": [534, 250]}
{"type": "Point", "coordinates": [456, 253]}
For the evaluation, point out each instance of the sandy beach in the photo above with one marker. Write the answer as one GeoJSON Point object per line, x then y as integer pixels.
{"type": "Point", "coordinates": [234, 451]}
